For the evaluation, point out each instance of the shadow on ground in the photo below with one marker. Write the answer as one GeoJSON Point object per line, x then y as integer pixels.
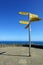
{"type": "Point", "coordinates": [14, 55]}
{"type": "Point", "coordinates": [2, 53]}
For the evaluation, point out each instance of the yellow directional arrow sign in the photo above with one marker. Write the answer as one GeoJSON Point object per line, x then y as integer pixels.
{"type": "Point", "coordinates": [24, 22]}
{"type": "Point", "coordinates": [34, 17]}
{"type": "Point", "coordinates": [24, 13]}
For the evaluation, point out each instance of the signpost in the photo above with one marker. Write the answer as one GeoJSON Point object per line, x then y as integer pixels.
{"type": "Point", "coordinates": [31, 17]}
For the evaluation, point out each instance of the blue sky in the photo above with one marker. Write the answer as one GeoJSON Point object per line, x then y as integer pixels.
{"type": "Point", "coordinates": [10, 29]}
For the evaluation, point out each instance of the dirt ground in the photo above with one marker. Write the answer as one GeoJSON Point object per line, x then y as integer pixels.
{"type": "Point", "coordinates": [20, 56]}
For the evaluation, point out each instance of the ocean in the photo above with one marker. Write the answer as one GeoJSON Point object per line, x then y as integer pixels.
{"type": "Point", "coordinates": [22, 42]}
